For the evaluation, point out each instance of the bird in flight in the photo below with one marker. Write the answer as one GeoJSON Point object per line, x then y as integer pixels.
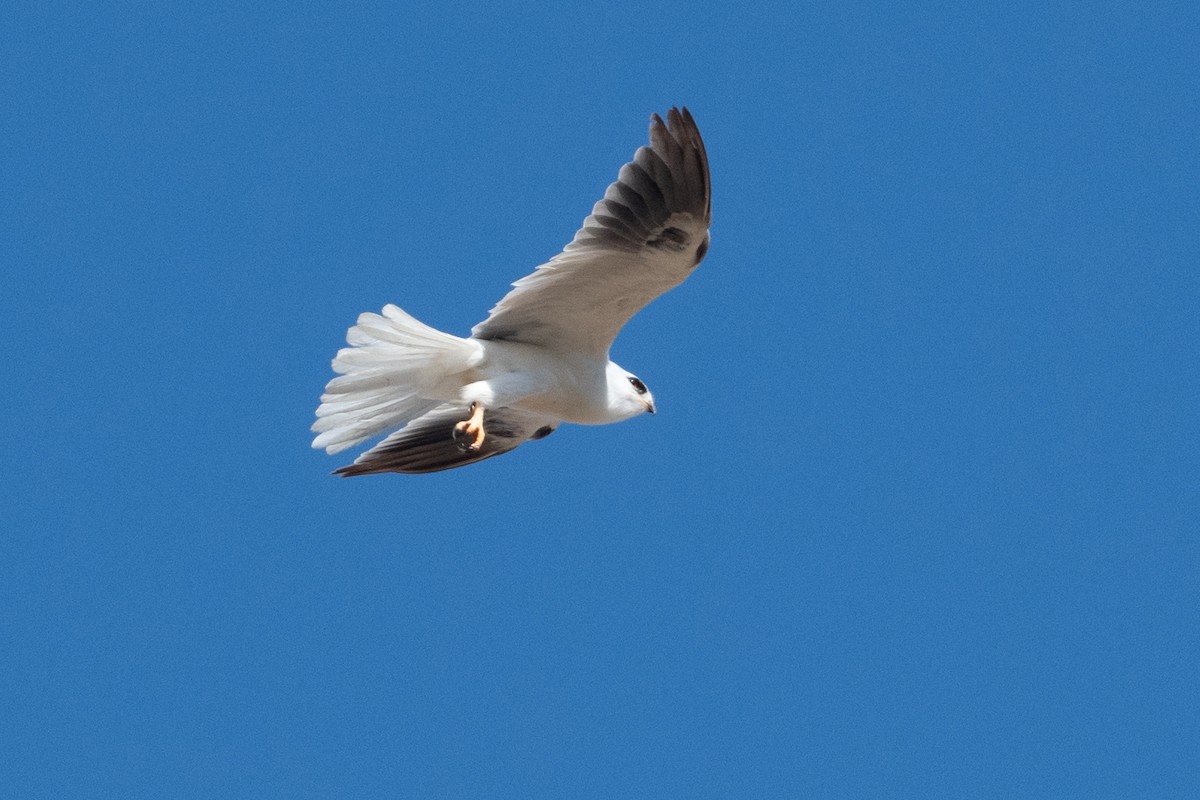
{"type": "Point", "coordinates": [541, 356]}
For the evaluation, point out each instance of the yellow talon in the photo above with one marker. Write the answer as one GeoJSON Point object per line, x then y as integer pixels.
{"type": "Point", "coordinates": [472, 427]}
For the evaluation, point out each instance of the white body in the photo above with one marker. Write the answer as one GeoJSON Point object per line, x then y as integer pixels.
{"type": "Point", "coordinates": [566, 387]}
{"type": "Point", "coordinates": [399, 368]}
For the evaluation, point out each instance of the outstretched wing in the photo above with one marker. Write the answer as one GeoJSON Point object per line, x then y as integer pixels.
{"type": "Point", "coordinates": [644, 238]}
{"type": "Point", "coordinates": [428, 444]}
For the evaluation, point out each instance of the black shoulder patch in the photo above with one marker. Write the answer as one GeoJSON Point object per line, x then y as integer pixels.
{"type": "Point", "coordinates": [670, 239]}
{"type": "Point", "coordinates": [541, 433]}
{"type": "Point", "coordinates": [702, 250]}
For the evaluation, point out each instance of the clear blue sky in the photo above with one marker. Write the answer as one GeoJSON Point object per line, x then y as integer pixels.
{"type": "Point", "coordinates": [917, 517]}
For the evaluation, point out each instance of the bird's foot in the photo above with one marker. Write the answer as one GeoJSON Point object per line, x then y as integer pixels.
{"type": "Point", "coordinates": [469, 433]}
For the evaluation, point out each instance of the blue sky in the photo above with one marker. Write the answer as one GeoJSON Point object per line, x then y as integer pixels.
{"type": "Point", "coordinates": [917, 516]}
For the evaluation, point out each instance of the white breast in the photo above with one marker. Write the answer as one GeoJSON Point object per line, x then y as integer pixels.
{"type": "Point", "coordinates": [541, 381]}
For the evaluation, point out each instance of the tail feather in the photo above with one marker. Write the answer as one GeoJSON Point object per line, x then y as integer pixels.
{"type": "Point", "coordinates": [363, 406]}
{"type": "Point", "coordinates": [338, 432]}
{"type": "Point", "coordinates": [386, 377]}
{"type": "Point", "coordinates": [361, 380]}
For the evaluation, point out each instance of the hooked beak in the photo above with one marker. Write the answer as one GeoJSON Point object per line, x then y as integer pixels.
{"type": "Point", "coordinates": [649, 405]}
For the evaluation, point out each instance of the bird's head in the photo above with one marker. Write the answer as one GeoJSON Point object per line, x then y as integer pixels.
{"type": "Point", "coordinates": [627, 395]}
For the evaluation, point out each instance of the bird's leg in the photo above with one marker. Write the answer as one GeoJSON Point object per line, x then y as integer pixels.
{"type": "Point", "coordinates": [472, 427]}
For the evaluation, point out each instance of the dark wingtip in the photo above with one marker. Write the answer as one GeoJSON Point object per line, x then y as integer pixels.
{"type": "Point", "coordinates": [682, 127]}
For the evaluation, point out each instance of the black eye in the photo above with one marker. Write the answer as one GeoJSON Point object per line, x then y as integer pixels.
{"type": "Point", "coordinates": [637, 385]}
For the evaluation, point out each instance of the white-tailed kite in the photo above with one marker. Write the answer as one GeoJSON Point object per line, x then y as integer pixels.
{"type": "Point", "coordinates": [541, 356]}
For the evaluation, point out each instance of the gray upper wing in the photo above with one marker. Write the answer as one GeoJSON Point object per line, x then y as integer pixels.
{"type": "Point", "coordinates": [643, 238]}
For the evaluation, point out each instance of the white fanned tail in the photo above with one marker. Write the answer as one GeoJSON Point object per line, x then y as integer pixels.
{"type": "Point", "coordinates": [386, 377]}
